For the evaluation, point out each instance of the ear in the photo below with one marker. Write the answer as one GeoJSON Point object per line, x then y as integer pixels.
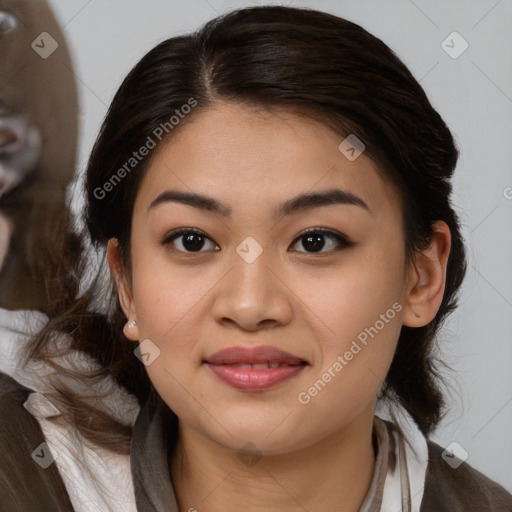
{"type": "Point", "coordinates": [427, 278]}
{"type": "Point", "coordinates": [115, 263]}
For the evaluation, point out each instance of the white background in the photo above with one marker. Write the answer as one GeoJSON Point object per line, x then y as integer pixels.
{"type": "Point", "coordinates": [473, 94]}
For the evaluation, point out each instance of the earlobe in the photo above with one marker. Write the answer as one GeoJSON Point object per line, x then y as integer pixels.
{"type": "Point", "coordinates": [130, 330]}
{"type": "Point", "coordinates": [115, 263]}
{"type": "Point", "coordinates": [427, 278]}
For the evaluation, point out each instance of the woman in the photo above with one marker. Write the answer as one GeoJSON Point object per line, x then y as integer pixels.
{"type": "Point", "coordinates": [272, 195]}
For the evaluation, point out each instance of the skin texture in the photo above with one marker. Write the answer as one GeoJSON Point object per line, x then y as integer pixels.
{"type": "Point", "coordinates": [317, 455]}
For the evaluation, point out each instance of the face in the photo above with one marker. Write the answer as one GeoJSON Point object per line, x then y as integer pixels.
{"type": "Point", "coordinates": [323, 280]}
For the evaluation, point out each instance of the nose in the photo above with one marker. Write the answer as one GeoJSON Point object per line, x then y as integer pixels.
{"type": "Point", "coordinates": [253, 296]}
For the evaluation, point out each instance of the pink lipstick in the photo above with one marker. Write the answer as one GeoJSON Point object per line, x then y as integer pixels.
{"type": "Point", "coordinates": [254, 369]}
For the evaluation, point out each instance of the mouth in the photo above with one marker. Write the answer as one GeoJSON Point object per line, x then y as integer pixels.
{"type": "Point", "coordinates": [254, 369]}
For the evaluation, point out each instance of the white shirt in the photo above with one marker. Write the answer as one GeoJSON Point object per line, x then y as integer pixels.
{"type": "Point", "coordinates": [97, 480]}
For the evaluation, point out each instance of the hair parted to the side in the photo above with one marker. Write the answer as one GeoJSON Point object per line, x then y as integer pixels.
{"type": "Point", "coordinates": [308, 62]}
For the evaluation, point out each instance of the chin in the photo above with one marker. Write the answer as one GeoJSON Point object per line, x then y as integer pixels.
{"type": "Point", "coordinates": [263, 429]}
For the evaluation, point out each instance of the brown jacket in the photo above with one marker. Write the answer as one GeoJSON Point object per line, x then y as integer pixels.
{"type": "Point", "coordinates": [27, 487]}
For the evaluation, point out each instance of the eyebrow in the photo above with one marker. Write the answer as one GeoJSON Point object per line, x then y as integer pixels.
{"type": "Point", "coordinates": [302, 202]}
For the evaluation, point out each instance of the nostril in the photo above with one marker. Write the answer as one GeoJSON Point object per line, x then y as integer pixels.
{"type": "Point", "coordinates": [7, 23]}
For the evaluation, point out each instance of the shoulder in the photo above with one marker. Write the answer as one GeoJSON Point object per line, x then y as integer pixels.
{"type": "Point", "coordinates": [26, 481]}
{"type": "Point", "coordinates": [460, 489]}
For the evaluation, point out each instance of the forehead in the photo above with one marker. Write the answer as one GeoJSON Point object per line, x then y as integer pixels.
{"type": "Point", "coordinates": [253, 160]}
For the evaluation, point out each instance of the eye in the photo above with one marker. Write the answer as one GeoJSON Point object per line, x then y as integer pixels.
{"type": "Point", "coordinates": [192, 240]}
{"type": "Point", "coordinates": [314, 239]}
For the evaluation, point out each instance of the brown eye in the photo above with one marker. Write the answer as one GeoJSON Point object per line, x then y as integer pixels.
{"type": "Point", "coordinates": [313, 240]}
{"type": "Point", "coordinates": [191, 240]}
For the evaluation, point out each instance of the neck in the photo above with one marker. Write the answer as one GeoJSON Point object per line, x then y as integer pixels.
{"type": "Point", "coordinates": [332, 474]}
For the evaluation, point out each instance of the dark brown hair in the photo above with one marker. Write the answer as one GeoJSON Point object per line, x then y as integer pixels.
{"type": "Point", "coordinates": [308, 62]}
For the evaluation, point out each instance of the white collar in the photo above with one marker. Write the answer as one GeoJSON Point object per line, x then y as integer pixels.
{"type": "Point", "coordinates": [95, 478]}
{"type": "Point", "coordinates": [411, 453]}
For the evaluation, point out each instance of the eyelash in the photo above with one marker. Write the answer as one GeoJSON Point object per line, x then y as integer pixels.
{"type": "Point", "coordinates": [341, 239]}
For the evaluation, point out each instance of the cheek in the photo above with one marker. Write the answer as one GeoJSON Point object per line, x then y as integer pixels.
{"type": "Point", "coordinates": [167, 304]}
{"type": "Point", "coordinates": [166, 295]}
{"type": "Point", "coordinates": [358, 314]}
{"type": "Point", "coordinates": [356, 356]}
{"type": "Point", "coordinates": [354, 296]}
{"type": "Point", "coordinates": [170, 301]}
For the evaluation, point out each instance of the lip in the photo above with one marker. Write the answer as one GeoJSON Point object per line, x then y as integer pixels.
{"type": "Point", "coordinates": [253, 355]}
{"type": "Point", "coordinates": [233, 366]}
